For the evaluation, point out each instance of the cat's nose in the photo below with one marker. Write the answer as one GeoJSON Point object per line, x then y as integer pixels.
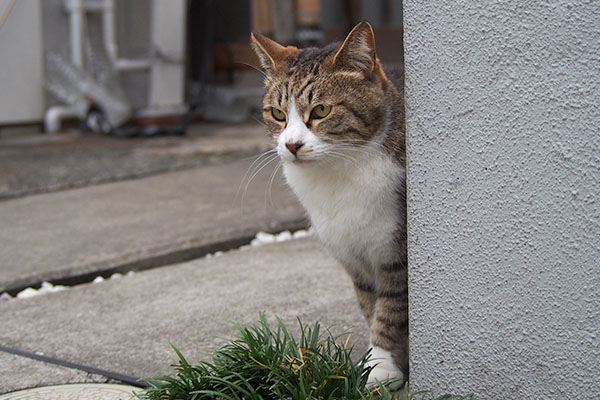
{"type": "Point", "coordinates": [294, 147]}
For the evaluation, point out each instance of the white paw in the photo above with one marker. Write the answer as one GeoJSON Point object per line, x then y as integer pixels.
{"type": "Point", "coordinates": [384, 370]}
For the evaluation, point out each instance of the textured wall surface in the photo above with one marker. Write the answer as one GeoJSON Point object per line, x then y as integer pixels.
{"type": "Point", "coordinates": [503, 119]}
{"type": "Point", "coordinates": [20, 63]}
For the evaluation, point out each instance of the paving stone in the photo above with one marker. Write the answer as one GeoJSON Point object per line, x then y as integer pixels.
{"type": "Point", "coordinates": [43, 162]}
{"type": "Point", "coordinates": [127, 325]}
{"type": "Point", "coordinates": [89, 391]}
{"type": "Point", "coordinates": [139, 224]}
{"type": "Point", "coordinates": [18, 372]}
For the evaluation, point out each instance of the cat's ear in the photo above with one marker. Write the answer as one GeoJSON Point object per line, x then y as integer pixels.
{"type": "Point", "coordinates": [269, 52]}
{"type": "Point", "coordinates": [358, 50]}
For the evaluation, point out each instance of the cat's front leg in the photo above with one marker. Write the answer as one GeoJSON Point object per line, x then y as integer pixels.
{"type": "Point", "coordinates": [389, 326]}
{"type": "Point", "coordinates": [365, 293]}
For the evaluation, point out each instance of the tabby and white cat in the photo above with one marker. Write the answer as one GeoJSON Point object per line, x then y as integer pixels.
{"type": "Point", "coordinates": [338, 123]}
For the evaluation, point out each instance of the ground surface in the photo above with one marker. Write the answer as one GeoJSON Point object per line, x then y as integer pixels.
{"type": "Point", "coordinates": [75, 206]}
{"type": "Point", "coordinates": [31, 162]}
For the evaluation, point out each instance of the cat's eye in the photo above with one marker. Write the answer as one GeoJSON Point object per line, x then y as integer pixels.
{"type": "Point", "coordinates": [321, 111]}
{"type": "Point", "coordinates": [278, 114]}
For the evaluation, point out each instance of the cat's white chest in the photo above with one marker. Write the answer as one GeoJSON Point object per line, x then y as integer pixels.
{"type": "Point", "coordinates": [354, 208]}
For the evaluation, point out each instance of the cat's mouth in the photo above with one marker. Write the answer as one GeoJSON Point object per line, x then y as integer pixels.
{"type": "Point", "coordinates": [298, 159]}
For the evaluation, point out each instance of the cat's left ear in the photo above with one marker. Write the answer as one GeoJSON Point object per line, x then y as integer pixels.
{"type": "Point", "coordinates": [358, 50]}
{"type": "Point", "coordinates": [270, 53]}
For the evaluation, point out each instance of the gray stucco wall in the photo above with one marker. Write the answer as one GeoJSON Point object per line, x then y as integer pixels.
{"type": "Point", "coordinates": [503, 119]}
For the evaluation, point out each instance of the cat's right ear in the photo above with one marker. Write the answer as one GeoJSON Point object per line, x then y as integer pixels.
{"type": "Point", "coordinates": [270, 53]}
{"type": "Point", "coordinates": [357, 53]}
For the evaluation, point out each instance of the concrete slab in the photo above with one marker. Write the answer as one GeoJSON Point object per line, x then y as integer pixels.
{"type": "Point", "coordinates": [138, 224]}
{"type": "Point", "coordinates": [20, 372]}
{"type": "Point", "coordinates": [75, 392]}
{"type": "Point", "coordinates": [126, 325]}
{"type": "Point", "coordinates": [41, 162]}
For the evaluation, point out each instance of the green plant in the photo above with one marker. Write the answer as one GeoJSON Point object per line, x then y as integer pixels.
{"type": "Point", "coordinates": [265, 364]}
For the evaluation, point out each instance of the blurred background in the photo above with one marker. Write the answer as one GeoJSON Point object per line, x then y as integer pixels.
{"type": "Point", "coordinates": [160, 63]}
{"type": "Point", "coordinates": [77, 77]}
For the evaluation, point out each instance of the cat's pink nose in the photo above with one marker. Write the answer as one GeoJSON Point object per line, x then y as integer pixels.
{"type": "Point", "coordinates": [294, 147]}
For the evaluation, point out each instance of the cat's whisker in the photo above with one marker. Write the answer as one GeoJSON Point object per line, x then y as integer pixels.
{"type": "Point", "coordinates": [359, 153]}
{"type": "Point", "coordinates": [270, 82]}
{"type": "Point", "coordinates": [362, 143]}
{"type": "Point", "coordinates": [357, 148]}
{"type": "Point", "coordinates": [260, 121]}
{"type": "Point", "coordinates": [254, 67]}
{"type": "Point", "coordinates": [252, 171]}
{"type": "Point", "coordinates": [269, 189]}
{"type": "Point", "coordinates": [367, 150]}
{"type": "Point", "coordinates": [357, 162]}
{"type": "Point", "coordinates": [364, 150]}
{"type": "Point", "coordinates": [258, 160]}
{"type": "Point", "coordinates": [359, 142]}
{"type": "Point", "coordinates": [268, 79]}
{"type": "Point", "coordinates": [361, 149]}
{"type": "Point", "coordinates": [258, 168]}
{"type": "Point", "coordinates": [343, 157]}
{"type": "Point", "coordinates": [325, 154]}
{"type": "Point", "coordinates": [258, 155]}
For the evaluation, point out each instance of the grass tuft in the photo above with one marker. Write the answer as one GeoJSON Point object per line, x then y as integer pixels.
{"type": "Point", "coordinates": [265, 363]}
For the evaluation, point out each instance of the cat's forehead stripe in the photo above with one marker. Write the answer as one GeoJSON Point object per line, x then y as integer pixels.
{"type": "Point", "coordinates": [308, 61]}
{"type": "Point", "coordinates": [309, 81]}
{"type": "Point", "coordinates": [278, 93]}
{"type": "Point", "coordinates": [302, 76]}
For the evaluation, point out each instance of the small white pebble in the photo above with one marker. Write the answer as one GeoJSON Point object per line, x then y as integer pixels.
{"type": "Point", "coordinates": [245, 247]}
{"type": "Point", "coordinates": [98, 279]}
{"type": "Point", "coordinates": [208, 255]}
{"type": "Point", "coordinates": [26, 293]}
{"type": "Point", "coordinates": [283, 236]}
{"type": "Point", "coordinates": [5, 297]}
{"type": "Point", "coordinates": [218, 253]}
{"type": "Point", "coordinates": [47, 287]}
{"type": "Point", "coordinates": [116, 275]}
{"type": "Point", "coordinates": [301, 234]}
{"type": "Point", "coordinates": [130, 273]}
{"type": "Point", "coordinates": [264, 237]}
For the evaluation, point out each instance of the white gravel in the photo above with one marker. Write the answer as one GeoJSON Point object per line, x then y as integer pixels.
{"type": "Point", "coordinates": [261, 239]}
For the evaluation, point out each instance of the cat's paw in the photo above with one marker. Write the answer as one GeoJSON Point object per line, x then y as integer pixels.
{"type": "Point", "coordinates": [384, 369]}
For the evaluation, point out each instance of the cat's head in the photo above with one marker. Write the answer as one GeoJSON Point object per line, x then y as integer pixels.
{"type": "Point", "coordinates": [322, 103]}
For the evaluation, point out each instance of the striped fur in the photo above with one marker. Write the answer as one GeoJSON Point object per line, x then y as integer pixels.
{"type": "Point", "coordinates": [347, 169]}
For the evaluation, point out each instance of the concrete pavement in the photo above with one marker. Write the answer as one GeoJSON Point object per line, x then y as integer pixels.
{"type": "Point", "coordinates": [81, 233]}
{"type": "Point", "coordinates": [32, 163]}
{"type": "Point", "coordinates": [126, 325]}
{"type": "Point", "coordinates": [161, 226]}
{"type": "Point", "coordinates": [23, 373]}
